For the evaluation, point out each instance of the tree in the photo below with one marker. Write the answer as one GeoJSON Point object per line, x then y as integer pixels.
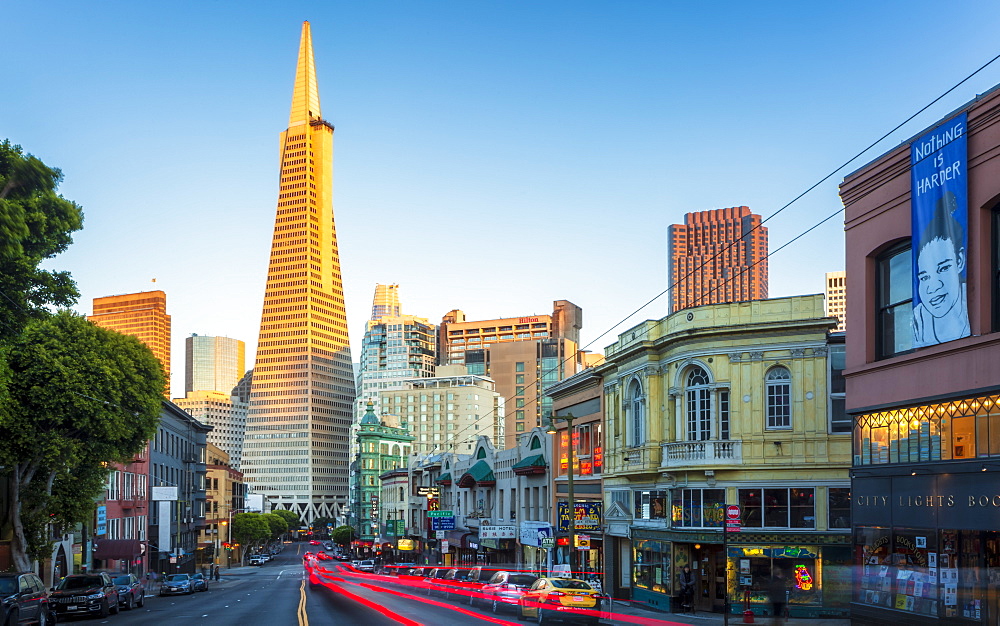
{"type": "Point", "coordinates": [343, 535]}
{"type": "Point", "coordinates": [35, 224]}
{"type": "Point", "coordinates": [77, 398]}
{"type": "Point", "coordinates": [277, 525]}
{"type": "Point", "coordinates": [291, 519]}
{"type": "Point", "coordinates": [250, 530]}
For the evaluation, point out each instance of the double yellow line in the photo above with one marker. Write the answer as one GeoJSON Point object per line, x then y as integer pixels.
{"type": "Point", "coordinates": [303, 616]}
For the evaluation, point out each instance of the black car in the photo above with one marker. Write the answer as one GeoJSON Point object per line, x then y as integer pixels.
{"type": "Point", "coordinates": [177, 583]}
{"type": "Point", "coordinates": [199, 582]}
{"type": "Point", "coordinates": [130, 590]}
{"type": "Point", "coordinates": [25, 600]}
{"type": "Point", "coordinates": [85, 594]}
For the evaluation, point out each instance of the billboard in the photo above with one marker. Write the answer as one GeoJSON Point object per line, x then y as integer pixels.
{"type": "Point", "coordinates": [939, 231]}
{"type": "Point", "coordinates": [588, 515]}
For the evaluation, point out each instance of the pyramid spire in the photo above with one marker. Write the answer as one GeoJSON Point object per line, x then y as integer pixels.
{"type": "Point", "coordinates": [305, 95]}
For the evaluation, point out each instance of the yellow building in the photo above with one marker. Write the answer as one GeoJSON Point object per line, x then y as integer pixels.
{"type": "Point", "coordinates": [726, 406]}
{"type": "Point", "coordinates": [302, 397]}
{"type": "Point", "coordinates": [225, 493]}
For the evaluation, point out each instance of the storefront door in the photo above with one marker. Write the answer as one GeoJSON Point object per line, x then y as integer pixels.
{"type": "Point", "coordinates": [711, 573]}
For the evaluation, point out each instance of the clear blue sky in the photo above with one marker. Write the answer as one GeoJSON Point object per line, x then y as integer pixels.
{"type": "Point", "coordinates": [490, 156]}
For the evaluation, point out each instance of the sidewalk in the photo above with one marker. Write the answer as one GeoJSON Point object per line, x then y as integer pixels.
{"type": "Point", "coordinates": [646, 616]}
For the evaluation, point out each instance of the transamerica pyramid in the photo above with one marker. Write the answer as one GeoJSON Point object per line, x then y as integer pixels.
{"type": "Point", "coordinates": [301, 400]}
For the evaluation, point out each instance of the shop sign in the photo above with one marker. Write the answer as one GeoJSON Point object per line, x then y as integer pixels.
{"type": "Point", "coordinates": [532, 533]}
{"type": "Point", "coordinates": [549, 542]}
{"type": "Point", "coordinates": [588, 515]}
{"type": "Point", "coordinates": [430, 492]}
{"type": "Point", "coordinates": [405, 544]}
{"type": "Point", "coordinates": [927, 501]}
{"type": "Point", "coordinates": [497, 532]}
{"type": "Point", "coordinates": [583, 542]}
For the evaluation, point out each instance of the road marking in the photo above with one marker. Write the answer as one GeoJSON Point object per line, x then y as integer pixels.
{"type": "Point", "coordinates": [302, 615]}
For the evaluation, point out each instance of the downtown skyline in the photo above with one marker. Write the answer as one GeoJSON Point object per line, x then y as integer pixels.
{"type": "Point", "coordinates": [535, 125]}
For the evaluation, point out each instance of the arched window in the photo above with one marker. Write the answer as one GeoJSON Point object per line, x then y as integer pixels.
{"type": "Point", "coordinates": [637, 414]}
{"type": "Point", "coordinates": [698, 404]}
{"type": "Point", "coordinates": [395, 450]}
{"type": "Point", "coordinates": [779, 397]}
{"type": "Point", "coordinates": [535, 444]}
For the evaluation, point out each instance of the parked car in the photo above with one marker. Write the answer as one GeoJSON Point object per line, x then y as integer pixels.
{"type": "Point", "coordinates": [474, 581]}
{"type": "Point", "coordinates": [25, 600]}
{"type": "Point", "coordinates": [199, 582]}
{"type": "Point", "coordinates": [130, 590]}
{"type": "Point", "coordinates": [177, 583]}
{"type": "Point", "coordinates": [85, 594]}
{"type": "Point", "coordinates": [256, 559]}
{"type": "Point", "coordinates": [366, 566]}
{"type": "Point", "coordinates": [561, 598]}
{"type": "Point", "coordinates": [395, 569]}
{"type": "Point", "coordinates": [506, 588]}
{"type": "Point", "coordinates": [433, 580]}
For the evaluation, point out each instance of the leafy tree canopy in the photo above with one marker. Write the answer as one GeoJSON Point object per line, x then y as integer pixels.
{"type": "Point", "coordinates": [78, 397]}
{"type": "Point", "coordinates": [343, 535]}
{"type": "Point", "coordinates": [277, 525]}
{"type": "Point", "coordinates": [291, 519]}
{"type": "Point", "coordinates": [36, 223]}
{"type": "Point", "coordinates": [250, 529]}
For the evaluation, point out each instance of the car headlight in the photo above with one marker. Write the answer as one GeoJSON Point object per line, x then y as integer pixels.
{"type": "Point", "coordinates": [96, 596]}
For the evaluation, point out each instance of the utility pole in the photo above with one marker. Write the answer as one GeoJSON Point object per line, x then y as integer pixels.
{"type": "Point", "coordinates": [552, 430]}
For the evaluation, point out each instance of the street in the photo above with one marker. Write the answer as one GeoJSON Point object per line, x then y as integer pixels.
{"type": "Point", "coordinates": [280, 594]}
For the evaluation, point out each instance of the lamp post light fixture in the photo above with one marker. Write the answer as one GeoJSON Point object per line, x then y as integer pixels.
{"type": "Point", "coordinates": [571, 502]}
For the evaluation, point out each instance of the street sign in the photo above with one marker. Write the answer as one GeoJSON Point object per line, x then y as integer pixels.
{"type": "Point", "coordinates": [583, 542]}
{"type": "Point", "coordinates": [442, 523]}
{"type": "Point", "coordinates": [440, 514]}
{"type": "Point", "coordinates": [444, 545]}
{"type": "Point", "coordinates": [733, 512]}
{"type": "Point", "coordinates": [548, 542]}
{"type": "Point", "coordinates": [440, 534]}
{"type": "Point", "coordinates": [733, 526]}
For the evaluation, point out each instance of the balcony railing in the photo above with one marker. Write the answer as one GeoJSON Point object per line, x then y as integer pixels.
{"type": "Point", "coordinates": [702, 453]}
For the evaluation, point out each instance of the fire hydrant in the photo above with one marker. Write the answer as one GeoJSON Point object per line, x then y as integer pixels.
{"type": "Point", "coordinates": [747, 612]}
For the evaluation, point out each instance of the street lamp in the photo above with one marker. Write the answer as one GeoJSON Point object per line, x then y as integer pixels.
{"type": "Point", "coordinates": [552, 430]}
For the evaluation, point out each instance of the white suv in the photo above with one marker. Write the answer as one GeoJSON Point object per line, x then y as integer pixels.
{"type": "Point", "coordinates": [366, 566]}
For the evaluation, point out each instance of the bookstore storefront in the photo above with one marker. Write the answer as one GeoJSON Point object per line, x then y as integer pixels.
{"type": "Point", "coordinates": [927, 547]}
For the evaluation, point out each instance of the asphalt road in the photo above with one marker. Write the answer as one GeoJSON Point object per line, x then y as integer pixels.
{"type": "Point", "coordinates": [280, 594]}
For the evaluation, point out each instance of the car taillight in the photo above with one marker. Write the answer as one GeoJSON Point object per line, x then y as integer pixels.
{"type": "Point", "coordinates": [554, 596]}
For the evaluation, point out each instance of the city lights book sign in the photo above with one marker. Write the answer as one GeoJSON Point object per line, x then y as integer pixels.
{"type": "Point", "coordinates": [939, 213]}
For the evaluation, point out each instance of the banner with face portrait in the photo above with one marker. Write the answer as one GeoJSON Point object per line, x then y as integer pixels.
{"type": "Point", "coordinates": [939, 201]}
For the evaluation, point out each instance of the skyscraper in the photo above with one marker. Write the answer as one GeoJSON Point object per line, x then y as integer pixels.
{"type": "Point", "coordinates": [836, 298]}
{"type": "Point", "coordinates": [716, 256]}
{"type": "Point", "coordinates": [302, 395]}
{"type": "Point", "coordinates": [386, 301]}
{"type": "Point", "coordinates": [213, 363]}
{"type": "Point", "coordinates": [142, 315]}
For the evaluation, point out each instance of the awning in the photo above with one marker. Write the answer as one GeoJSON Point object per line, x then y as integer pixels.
{"type": "Point", "coordinates": [531, 465]}
{"type": "Point", "coordinates": [117, 549]}
{"type": "Point", "coordinates": [445, 479]}
{"type": "Point", "coordinates": [478, 474]}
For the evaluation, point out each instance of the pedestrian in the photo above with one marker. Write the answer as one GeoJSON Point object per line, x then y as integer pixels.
{"type": "Point", "coordinates": [687, 589]}
{"type": "Point", "coordinates": [777, 591]}
{"type": "Point", "coordinates": [216, 573]}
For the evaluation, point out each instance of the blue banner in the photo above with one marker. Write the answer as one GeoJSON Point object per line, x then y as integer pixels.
{"type": "Point", "coordinates": [102, 521]}
{"type": "Point", "coordinates": [939, 202]}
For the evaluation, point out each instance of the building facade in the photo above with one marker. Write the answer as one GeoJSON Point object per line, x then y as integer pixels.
{"type": "Point", "coordinates": [227, 416]}
{"type": "Point", "coordinates": [120, 541]}
{"type": "Point", "coordinates": [835, 291]}
{"type": "Point", "coordinates": [717, 406]}
{"type": "Point", "coordinates": [922, 373]}
{"type": "Point", "coordinates": [177, 456]}
{"type": "Point", "coordinates": [213, 363]}
{"type": "Point", "coordinates": [225, 492]}
{"type": "Point", "coordinates": [302, 399]}
{"type": "Point", "coordinates": [716, 256]}
{"type": "Point", "coordinates": [143, 316]}
{"type": "Point", "coordinates": [382, 447]}
{"type": "Point", "coordinates": [449, 412]}
{"type": "Point", "coordinates": [524, 355]}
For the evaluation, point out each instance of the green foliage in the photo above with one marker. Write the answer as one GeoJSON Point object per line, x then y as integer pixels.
{"type": "Point", "coordinates": [35, 224]}
{"type": "Point", "coordinates": [291, 519]}
{"type": "Point", "coordinates": [250, 529]}
{"type": "Point", "coordinates": [78, 397]}
{"type": "Point", "coordinates": [343, 535]}
{"type": "Point", "coordinates": [277, 525]}
{"type": "Point", "coordinates": [320, 523]}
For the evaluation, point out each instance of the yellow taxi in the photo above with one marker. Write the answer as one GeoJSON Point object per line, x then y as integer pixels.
{"type": "Point", "coordinates": [551, 599]}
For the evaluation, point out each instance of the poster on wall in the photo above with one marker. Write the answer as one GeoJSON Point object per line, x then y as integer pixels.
{"type": "Point", "coordinates": [939, 218]}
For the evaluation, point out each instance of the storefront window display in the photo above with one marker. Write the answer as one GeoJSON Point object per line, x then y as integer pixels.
{"type": "Point", "coordinates": [753, 567]}
{"type": "Point", "coordinates": [698, 508]}
{"type": "Point", "coordinates": [650, 504]}
{"type": "Point", "coordinates": [779, 507]}
{"type": "Point", "coordinates": [900, 569]}
{"type": "Point", "coordinates": [651, 565]}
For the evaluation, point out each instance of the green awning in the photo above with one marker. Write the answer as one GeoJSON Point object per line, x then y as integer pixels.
{"type": "Point", "coordinates": [445, 479]}
{"type": "Point", "coordinates": [478, 474]}
{"type": "Point", "coordinates": [531, 465]}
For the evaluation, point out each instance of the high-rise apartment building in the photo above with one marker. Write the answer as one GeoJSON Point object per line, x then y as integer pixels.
{"type": "Point", "coordinates": [523, 355]}
{"type": "Point", "coordinates": [142, 315]}
{"type": "Point", "coordinates": [213, 363]}
{"type": "Point", "coordinates": [395, 347]}
{"type": "Point", "coordinates": [225, 413]}
{"type": "Point", "coordinates": [302, 397]}
{"type": "Point", "coordinates": [716, 256]}
{"type": "Point", "coordinates": [448, 412]}
{"type": "Point", "coordinates": [836, 298]}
